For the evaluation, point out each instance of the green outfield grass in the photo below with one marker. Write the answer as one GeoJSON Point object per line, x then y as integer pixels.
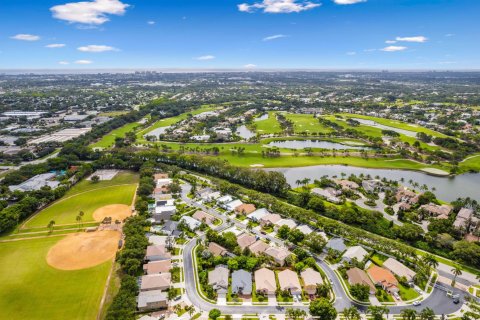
{"type": "Point", "coordinates": [307, 123]}
{"type": "Point", "coordinates": [86, 197]}
{"type": "Point", "coordinates": [113, 113]}
{"type": "Point", "coordinates": [31, 289]}
{"type": "Point", "coordinates": [108, 140]}
{"type": "Point", "coordinates": [269, 125]}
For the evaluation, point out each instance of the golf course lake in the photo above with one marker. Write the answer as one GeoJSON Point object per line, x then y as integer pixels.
{"type": "Point", "coordinates": [244, 132]}
{"type": "Point", "coordinates": [262, 117]}
{"type": "Point", "coordinates": [447, 188]}
{"type": "Point", "coordinates": [316, 144]}
{"type": "Point", "coordinates": [372, 123]}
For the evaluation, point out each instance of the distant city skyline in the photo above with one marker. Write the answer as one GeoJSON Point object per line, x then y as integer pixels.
{"type": "Point", "coordinates": [188, 35]}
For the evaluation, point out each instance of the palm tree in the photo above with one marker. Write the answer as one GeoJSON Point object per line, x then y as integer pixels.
{"type": "Point", "coordinates": [427, 314]}
{"type": "Point", "coordinates": [50, 225]}
{"type": "Point", "coordinates": [430, 261]}
{"type": "Point", "coordinates": [351, 313]}
{"type": "Point", "coordinates": [298, 182]}
{"type": "Point", "coordinates": [408, 314]}
{"type": "Point", "coordinates": [456, 272]}
{"type": "Point", "coordinates": [377, 312]}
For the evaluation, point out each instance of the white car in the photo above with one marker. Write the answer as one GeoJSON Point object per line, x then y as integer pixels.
{"type": "Point", "coordinates": [416, 303]}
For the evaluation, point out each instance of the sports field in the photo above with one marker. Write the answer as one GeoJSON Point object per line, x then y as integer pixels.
{"type": "Point", "coordinates": [87, 196]}
{"type": "Point", "coordinates": [31, 289]}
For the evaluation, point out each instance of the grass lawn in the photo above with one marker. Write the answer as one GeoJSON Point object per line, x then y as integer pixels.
{"type": "Point", "coordinates": [86, 197]}
{"type": "Point", "coordinates": [31, 289]}
{"type": "Point", "coordinates": [307, 123]}
{"type": "Point", "coordinates": [378, 259]}
{"type": "Point", "coordinates": [113, 113]}
{"type": "Point", "coordinates": [269, 125]}
{"type": "Point", "coordinates": [108, 140]}
{"type": "Point", "coordinates": [472, 163]}
{"type": "Point", "coordinates": [407, 293]}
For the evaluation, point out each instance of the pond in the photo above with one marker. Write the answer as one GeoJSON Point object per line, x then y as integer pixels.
{"type": "Point", "coordinates": [318, 144]}
{"type": "Point", "coordinates": [372, 123]}
{"type": "Point", "coordinates": [262, 117]}
{"type": "Point", "coordinates": [447, 188]}
{"type": "Point", "coordinates": [244, 132]}
{"type": "Point", "coordinates": [158, 131]}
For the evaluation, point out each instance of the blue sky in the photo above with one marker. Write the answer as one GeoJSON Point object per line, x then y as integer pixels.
{"type": "Point", "coordinates": [246, 34]}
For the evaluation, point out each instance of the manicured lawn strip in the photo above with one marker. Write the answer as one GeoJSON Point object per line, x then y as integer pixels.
{"type": "Point", "coordinates": [396, 124]}
{"type": "Point", "coordinates": [108, 140]}
{"type": "Point", "coordinates": [407, 293]}
{"type": "Point", "coordinates": [450, 263]}
{"type": "Point", "coordinates": [378, 259]}
{"type": "Point", "coordinates": [113, 113]}
{"type": "Point", "coordinates": [66, 211]}
{"type": "Point", "coordinates": [267, 126]}
{"type": "Point", "coordinates": [26, 236]}
{"type": "Point", "coordinates": [31, 289]}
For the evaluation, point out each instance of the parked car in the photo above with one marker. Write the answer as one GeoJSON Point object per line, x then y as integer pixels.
{"type": "Point", "coordinates": [416, 303]}
{"type": "Point", "coordinates": [456, 300]}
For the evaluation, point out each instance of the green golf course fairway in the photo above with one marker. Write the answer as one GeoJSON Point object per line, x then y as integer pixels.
{"type": "Point", "coordinates": [31, 289]}
{"type": "Point", "coordinates": [87, 197]}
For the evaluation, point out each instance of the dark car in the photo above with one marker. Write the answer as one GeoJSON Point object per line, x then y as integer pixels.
{"type": "Point", "coordinates": [456, 300]}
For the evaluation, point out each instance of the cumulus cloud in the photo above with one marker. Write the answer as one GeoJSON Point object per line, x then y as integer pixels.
{"type": "Point", "coordinates": [55, 45]}
{"type": "Point", "coordinates": [205, 58]}
{"type": "Point", "coordinates": [351, 53]}
{"type": "Point", "coordinates": [83, 62]}
{"type": "Point", "coordinates": [278, 6]}
{"type": "Point", "coordinates": [348, 1]}
{"type": "Point", "coordinates": [25, 37]}
{"type": "Point", "coordinates": [151, 22]}
{"type": "Point", "coordinates": [250, 66]}
{"type": "Point", "coordinates": [63, 62]}
{"type": "Point", "coordinates": [412, 39]}
{"type": "Point", "coordinates": [96, 48]}
{"type": "Point", "coordinates": [394, 48]}
{"type": "Point", "coordinates": [89, 12]}
{"type": "Point", "coordinates": [390, 41]}
{"type": "Point", "coordinates": [275, 36]}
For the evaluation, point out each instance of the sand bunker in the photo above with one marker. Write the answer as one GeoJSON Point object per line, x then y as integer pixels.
{"type": "Point", "coordinates": [83, 250]}
{"type": "Point", "coordinates": [115, 211]}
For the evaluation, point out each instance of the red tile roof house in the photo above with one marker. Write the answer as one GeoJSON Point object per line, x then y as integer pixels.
{"type": "Point", "coordinates": [358, 276]}
{"type": "Point", "coordinates": [270, 219]}
{"type": "Point", "coordinates": [384, 278]}
{"type": "Point", "coordinates": [203, 217]}
{"type": "Point", "coordinates": [311, 279]}
{"type": "Point", "coordinates": [157, 267]}
{"type": "Point", "coordinates": [245, 240]}
{"type": "Point", "coordinates": [245, 208]}
{"type": "Point", "coordinates": [288, 281]}
{"type": "Point", "coordinates": [407, 196]}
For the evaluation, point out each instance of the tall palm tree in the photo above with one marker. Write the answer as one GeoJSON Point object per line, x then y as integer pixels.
{"type": "Point", "coordinates": [456, 272]}
{"type": "Point", "coordinates": [427, 314]}
{"type": "Point", "coordinates": [408, 314]}
{"type": "Point", "coordinates": [351, 313]}
{"type": "Point", "coordinates": [50, 225]}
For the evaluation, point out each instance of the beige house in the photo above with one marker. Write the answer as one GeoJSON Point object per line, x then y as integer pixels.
{"type": "Point", "coordinates": [279, 254]}
{"type": "Point", "coordinates": [311, 279]}
{"type": "Point", "coordinates": [216, 250]}
{"type": "Point", "coordinates": [288, 281]}
{"type": "Point", "coordinates": [270, 219]}
{"type": "Point", "coordinates": [245, 208]}
{"type": "Point", "coordinates": [152, 300]}
{"type": "Point", "coordinates": [265, 281]}
{"type": "Point", "coordinates": [258, 247]}
{"type": "Point", "coordinates": [154, 267]}
{"type": "Point", "coordinates": [160, 281]}
{"type": "Point", "coordinates": [244, 240]}
{"type": "Point", "coordinates": [358, 276]}
{"type": "Point", "coordinates": [399, 269]}
{"type": "Point", "coordinates": [218, 278]}
{"type": "Point", "coordinates": [203, 217]}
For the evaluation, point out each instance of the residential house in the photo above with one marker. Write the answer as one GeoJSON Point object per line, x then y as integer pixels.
{"type": "Point", "coordinates": [225, 199]}
{"type": "Point", "coordinates": [216, 250]}
{"type": "Point", "coordinates": [245, 240]}
{"type": "Point", "coordinates": [270, 219]}
{"type": "Point", "coordinates": [161, 281]}
{"type": "Point", "coordinates": [258, 214]}
{"type": "Point", "coordinates": [372, 185]}
{"type": "Point", "coordinates": [152, 300]}
{"type": "Point", "coordinates": [384, 278]}
{"type": "Point", "coordinates": [204, 193]}
{"type": "Point", "coordinates": [348, 185]}
{"type": "Point", "coordinates": [439, 212]}
{"type": "Point", "coordinates": [279, 254]}
{"type": "Point", "coordinates": [245, 208]}
{"type": "Point", "coordinates": [399, 269]}
{"type": "Point", "coordinates": [336, 244]}
{"type": "Point", "coordinates": [358, 276]}
{"type": "Point", "coordinates": [466, 220]}
{"type": "Point", "coordinates": [232, 205]}
{"type": "Point", "coordinates": [258, 247]}
{"type": "Point", "coordinates": [157, 253]}
{"type": "Point", "coordinates": [329, 194]}
{"type": "Point", "coordinates": [288, 281]}
{"type": "Point", "coordinates": [162, 266]}
{"type": "Point", "coordinates": [407, 196]}
{"type": "Point", "coordinates": [311, 279]}
{"type": "Point", "coordinates": [203, 217]}
{"type": "Point", "coordinates": [241, 282]}
{"type": "Point", "coordinates": [356, 252]}
{"type": "Point", "coordinates": [265, 281]}
{"type": "Point", "coordinates": [218, 278]}
{"type": "Point", "coordinates": [291, 224]}
{"type": "Point", "coordinates": [160, 240]}
{"type": "Point", "coordinates": [160, 176]}
{"type": "Point", "coordinates": [164, 210]}
{"type": "Point", "coordinates": [191, 223]}
{"type": "Point", "coordinates": [170, 228]}
{"type": "Point", "coordinates": [305, 229]}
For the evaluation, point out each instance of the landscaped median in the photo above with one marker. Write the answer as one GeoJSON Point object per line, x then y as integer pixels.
{"type": "Point", "coordinates": [195, 275]}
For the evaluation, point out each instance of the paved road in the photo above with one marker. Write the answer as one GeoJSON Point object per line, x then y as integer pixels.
{"type": "Point", "coordinates": [438, 301]}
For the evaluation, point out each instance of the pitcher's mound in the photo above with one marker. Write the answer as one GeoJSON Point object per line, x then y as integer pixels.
{"type": "Point", "coordinates": [83, 250]}
{"type": "Point", "coordinates": [115, 211]}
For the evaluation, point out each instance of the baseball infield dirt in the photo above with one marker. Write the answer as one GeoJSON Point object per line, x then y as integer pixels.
{"type": "Point", "coordinates": [115, 211]}
{"type": "Point", "coordinates": [83, 250]}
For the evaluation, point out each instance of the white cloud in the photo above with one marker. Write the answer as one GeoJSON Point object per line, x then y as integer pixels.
{"type": "Point", "coordinates": [449, 35]}
{"type": "Point", "coordinates": [88, 12]}
{"type": "Point", "coordinates": [205, 58]}
{"type": "Point", "coordinates": [351, 53]}
{"type": "Point", "coordinates": [151, 22]}
{"type": "Point", "coordinates": [25, 37]}
{"type": "Point", "coordinates": [55, 45]}
{"type": "Point", "coordinates": [394, 48]}
{"type": "Point", "coordinates": [276, 36]}
{"type": "Point", "coordinates": [348, 1]}
{"type": "Point", "coordinates": [250, 66]}
{"type": "Point", "coordinates": [390, 41]}
{"type": "Point", "coordinates": [83, 62]}
{"type": "Point", "coordinates": [412, 39]}
{"type": "Point", "coordinates": [278, 6]}
{"type": "Point", "coordinates": [96, 48]}
{"type": "Point", "coordinates": [63, 62]}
